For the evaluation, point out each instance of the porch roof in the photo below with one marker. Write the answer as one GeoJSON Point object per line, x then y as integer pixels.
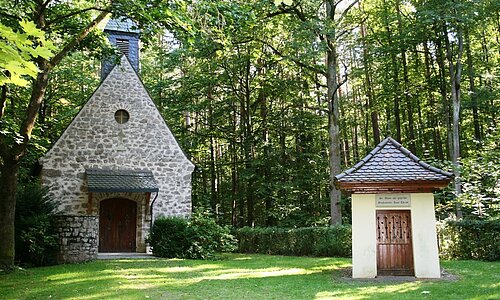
{"type": "Point", "coordinates": [121, 181]}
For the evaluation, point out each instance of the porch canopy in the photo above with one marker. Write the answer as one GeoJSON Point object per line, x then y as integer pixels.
{"type": "Point", "coordinates": [110, 181]}
{"type": "Point", "coordinates": [116, 181]}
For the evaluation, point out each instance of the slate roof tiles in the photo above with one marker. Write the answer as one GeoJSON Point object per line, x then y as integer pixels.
{"type": "Point", "coordinates": [391, 162]}
{"type": "Point", "coordinates": [120, 181]}
{"type": "Point", "coordinates": [123, 25]}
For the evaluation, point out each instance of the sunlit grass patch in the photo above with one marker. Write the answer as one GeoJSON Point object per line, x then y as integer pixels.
{"type": "Point", "coordinates": [238, 276]}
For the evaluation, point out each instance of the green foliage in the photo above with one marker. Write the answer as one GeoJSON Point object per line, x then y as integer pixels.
{"type": "Point", "coordinates": [169, 237]}
{"type": "Point", "coordinates": [36, 239]}
{"type": "Point", "coordinates": [480, 196]}
{"type": "Point", "coordinates": [207, 237]}
{"type": "Point", "coordinates": [243, 116]}
{"type": "Point", "coordinates": [18, 48]}
{"type": "Point", "coordinates": [308, 241]}
{"type": "Point", "coordinates": [198, 238]}
{"type": "Point", "coordinates": [470, 239]}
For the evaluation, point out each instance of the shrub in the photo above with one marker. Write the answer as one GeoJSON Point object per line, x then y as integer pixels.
{"type": "Point", "coordinates": [198, 238]}
{"type": "Point", "coordinates": [36, 238]}
{"type": "Point", "coordinates": [169, 237]}
{"type": "Point", "coordinates": [307, 241]}
{"type": "Point", "coordinates": [207, 237]}
{"type": "Point", "coordinates": [469, 239]}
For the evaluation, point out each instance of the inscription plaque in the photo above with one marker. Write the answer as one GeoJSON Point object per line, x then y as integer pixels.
{"type": "Point", "coordinates": [393, 200]}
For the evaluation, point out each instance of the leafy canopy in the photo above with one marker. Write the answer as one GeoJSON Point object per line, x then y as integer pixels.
{"type": "Point", "coordinates": [17, 51]}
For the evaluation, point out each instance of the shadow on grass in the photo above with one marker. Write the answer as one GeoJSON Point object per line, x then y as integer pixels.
{"type": "Point", "coordinates": [231, 277]}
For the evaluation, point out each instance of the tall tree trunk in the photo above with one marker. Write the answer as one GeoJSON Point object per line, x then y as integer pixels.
{"type": "Point", "coordinates": [444, 95]}
{"type": "Point", "coordinates": [354, 128]}
{"type": "Point", "coordinates": [417, 69]}
{"type": "Point", "coordinates": [369, 87]}
{"type": "Point", "coordinates": [432, 116]}
{"type": "Point", "coordinates": [455, 71]}
{"type": "Point", "coordinates": [248, 142]}
{"type": "Point", "coordinates": [406, 81]}
{"type": "Point", "coordinates": [234, 176]}
{"type": "Point", "coordinates": [356, 144]}
{"type": "Point", "coordinates": [395, 75]}
{"type": "Point", "coordinates": [472, 86]}
{"type": "Point", "coordinates": [333, 118]}
{"type": "Point", "coordinates": [488, 82]}
{"type": "Point", "coordinates": [265, 168]}
{"type": "Point", "coordinates": [213, 171]}
{"type": "Point", "coordinates": [11, 155]}
{"type": "Point", "coordinates": [8, 186]}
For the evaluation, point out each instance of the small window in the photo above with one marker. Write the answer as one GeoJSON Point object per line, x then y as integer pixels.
{"type": "Point", "coordinates": [121, 116]}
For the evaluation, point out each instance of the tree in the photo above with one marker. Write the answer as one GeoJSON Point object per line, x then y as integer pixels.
{"type": "Point", "coordinates": [330, 21]}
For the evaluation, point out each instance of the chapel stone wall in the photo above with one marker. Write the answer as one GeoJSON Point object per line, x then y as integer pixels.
{"type": "Point", "coordinates": [94, 140]}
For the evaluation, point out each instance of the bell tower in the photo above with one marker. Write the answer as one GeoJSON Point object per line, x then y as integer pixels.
{"type": "Point", "coordinates": [124, 35]}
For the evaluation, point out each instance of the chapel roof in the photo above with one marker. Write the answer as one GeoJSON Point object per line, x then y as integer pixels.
{"type": "Point", "coordinates": [391, 167]}
{"type": "Point", "coordinates": [121, 181]}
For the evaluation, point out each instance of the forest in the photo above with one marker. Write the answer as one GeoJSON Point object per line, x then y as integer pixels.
{"type": "Point", "coordinates": [272, 98]}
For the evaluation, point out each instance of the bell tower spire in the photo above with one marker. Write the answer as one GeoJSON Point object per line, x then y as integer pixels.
{"type": "Point", "coordinates": [124, 35]}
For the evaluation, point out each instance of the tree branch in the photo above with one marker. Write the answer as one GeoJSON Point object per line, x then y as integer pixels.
{"type": "Point", "coordinates": [340, 84]}
{"type": "Point", "coordinates": [40, 85]}
{"type": "Point", "coordinates": [294, 60]}
{"type": "Point", "coordinates": [46, 3]}
{"type": "Point", "coordinates": [2, 14]}
{"type": "Point", "coordinates": [77, 39]}
{"type": "Point", "coordinates": [279, 12]}
{"type": "Point", "coordinates": [344, 13]}
{"type": "Point", "coordinates": [344, 32]}
{"type": "Point", "coordinates": [50, 23]}
{"type": "Point", "coordinates": [3, 100]}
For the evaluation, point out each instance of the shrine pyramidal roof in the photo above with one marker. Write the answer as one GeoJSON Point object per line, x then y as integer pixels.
{"type": "Point", "coordinates": [391, 167]}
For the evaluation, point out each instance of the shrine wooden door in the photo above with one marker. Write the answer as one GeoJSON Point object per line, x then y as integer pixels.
{"type": "Point", "coordinates": [394, 243]}
{"type": "Point", "coordinates": [117, 225]}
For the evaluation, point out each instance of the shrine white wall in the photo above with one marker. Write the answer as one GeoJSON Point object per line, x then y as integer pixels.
{"type": "Point", "coordinates": [364, 242]}
{"type": "Point", "coordinates": [425, 246]}
{"type": "Point", "coordinates": [424, 238]}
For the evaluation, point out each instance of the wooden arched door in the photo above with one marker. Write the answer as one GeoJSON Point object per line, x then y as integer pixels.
{"type": "Point", "coordinates": [117, 225]}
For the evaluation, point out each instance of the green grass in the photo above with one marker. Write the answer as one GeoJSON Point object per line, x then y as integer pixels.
{"type": "Point", "coordinates": [239, 276]}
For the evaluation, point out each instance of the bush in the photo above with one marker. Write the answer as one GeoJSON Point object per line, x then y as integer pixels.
{"type": "Point", "coordinates": [307, 241]}
{"type": "Point", "coordinates": [198, 238]}
{"type": "Point", "coordinates": [469, 239]}
{"type": "Point", "coordinates": [207, 237]}
{"type": "Point", "coordinates": [169, 237]}
{"type": "Point", "coordinates": [36, 238]}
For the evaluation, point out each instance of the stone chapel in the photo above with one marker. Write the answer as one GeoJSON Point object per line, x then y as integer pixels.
{"type": "Point", "coordinates": [117, 166]}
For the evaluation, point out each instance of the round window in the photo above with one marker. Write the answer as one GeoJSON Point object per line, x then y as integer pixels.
{"type": "Point", "coordinates": [121, 116]}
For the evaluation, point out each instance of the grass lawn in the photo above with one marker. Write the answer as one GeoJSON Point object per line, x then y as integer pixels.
{"type": "Point", "coordinates": [239, 276]}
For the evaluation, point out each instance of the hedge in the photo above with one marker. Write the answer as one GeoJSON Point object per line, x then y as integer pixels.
{"type": "Point", "coordinates": [469, 239]}
{"type": "Point", "coordinates": [308, 241]}
{"type": "Point", "coordinates": [197, 238]}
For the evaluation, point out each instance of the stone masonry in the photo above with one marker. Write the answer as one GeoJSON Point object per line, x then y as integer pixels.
{"type": "Point", "coordinates": [95, 140]}
{"type": "Point", "coordinates": [77, 238]}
